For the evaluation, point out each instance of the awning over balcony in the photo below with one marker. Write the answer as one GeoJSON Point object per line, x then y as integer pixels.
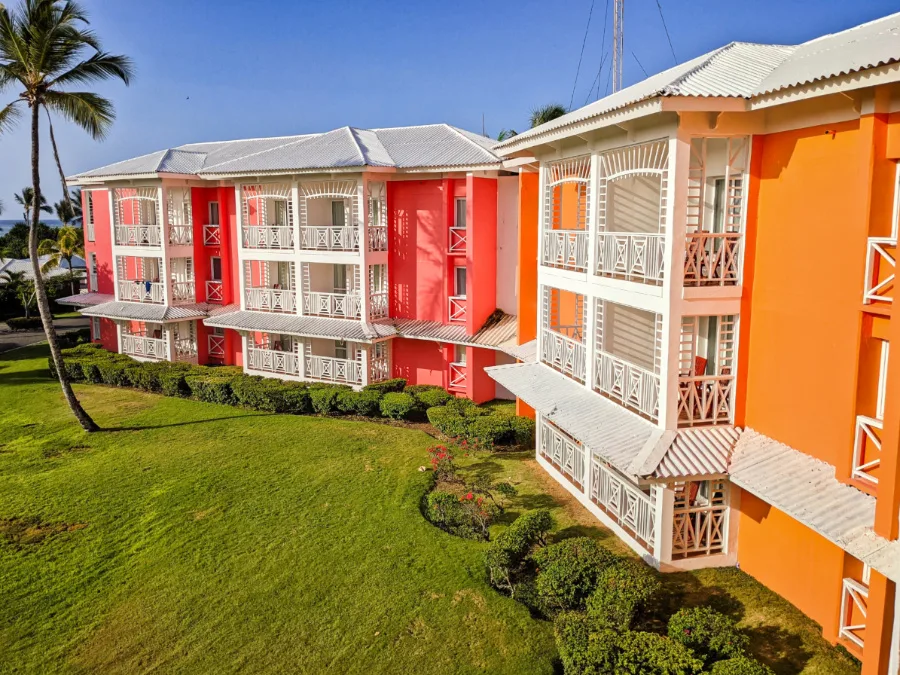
{"type": "Point", "coordinates": [302, 326]}
{"type": "Point", "coordinates": [86, 299]}
{"type": "Point", "coordinates": [136, 311]}
{"type": "Point", "coordinates": [806, 489]}
{"type": "Point", "coordinates": [525, 352]}
{"type": "Point", "coordinates": [500, 334]}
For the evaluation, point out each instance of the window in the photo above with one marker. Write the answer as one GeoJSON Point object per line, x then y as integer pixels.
{"type": "Point", "coordinates": [460, 219]}
{"type": "Point", "coordinates": [215, 268]}
{"type": "Point", "coordinates": [280, 213]}
{"type": "Point", "coordinates": [719, 205]}
{"type": "Point", "coordinates": [213, 213]}
{"type": "Point", "coordinates": [92, 271]}
{"type": "Point", "coordinates": [375, 212]}
{"type": "Point", "coordinates": [459, 281]}
{"type": "Point", "coordinates": [337, 213]}
{"type": "Point", "coordinates": [459, 354]}
{"type": "Point", "coordinates": [95, 328]}
{"type": "Point", "coordinates": [340, 349]}
{"type": "Point", "coordinates": [340, 279]}
{"type": "Point", "coordinates": [89, 215]}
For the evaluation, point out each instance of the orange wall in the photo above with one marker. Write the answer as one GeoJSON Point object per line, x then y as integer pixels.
{"type": "Point", "coordinates": [527, 288]}
{"type": "Point", "coordinates": [792, 560]}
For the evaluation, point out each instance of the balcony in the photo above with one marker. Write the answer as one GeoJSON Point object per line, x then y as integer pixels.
{"type": "Point", "coordinates": [563, 354]}
{"type": "Point", "coordinates": [140, 290]}
{"type": "Point", "coordinates": [378, 238]}
{"type": "Point", "coordinates": [277, 361]}
{"type": "Point", "coordinates": [338, 305]}
{"type": "Point", "coordinates": [138, 235]}
{"type": "Point", "coordinates": [712, 259]}
{"type": "Point", "coordinates": [457, 309]}
{"type": "Point", "coordinates": [457, 242]}
{"type": "Point", "coordinates": [138, 344]}
{"type": "Point", "coordinates": [181, 235]}
{"type": "Point", "coordinates": [631, 256]}
{"type": "Point", "coordinates": [630, 507]}
{"type": "Point", "coordinates": [628, 384]}
{"type": "Point", "coordinates": [867, 449]}
{"type": "Point", "coordinates": [705, 400]}
{"type": "Point", "coordinates": [566, 454]}
{"type": "Point", "coordinates": [185, 349]}
{"type": "Point", "coordinates": [329, 238]}
{"type": "Point", "coordinates": [699, 518]}
{"type": "Point", "coordinates": [212, 235]}
{"type": "Point", "coordinates": [881, 268]}
{"type": "Point", "coordinates": [706, 380]}
{"type": "Point", "coordinates": [277, 237]}
{"type": "Point", "coordinates": [330, 369]}
{"type": "Point", "coordinates": [458, 376]}
{"type": "Point", "coordinates": [214, 291]}
{"type": "Point", "coordinates": [565, 249]}
{"type": "Point", "coordinates": [854, 612]}
{"type": "Point", "coordinates": [137, 215]}
{"type": "Point", "coordinates": [215, 346]}
{"type": "Point", "coordinates": [282, 300]}
{"type": "Point", "coordinates": [183, 291]}
{"type": "Point", "coordinates": [378, 305]}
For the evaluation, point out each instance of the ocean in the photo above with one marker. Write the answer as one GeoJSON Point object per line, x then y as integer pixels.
{"type": "Point", "coordinates": [6, 225]}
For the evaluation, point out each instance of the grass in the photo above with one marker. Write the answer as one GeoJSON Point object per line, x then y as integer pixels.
{"type": "Point", "coordinates": [198, 538]}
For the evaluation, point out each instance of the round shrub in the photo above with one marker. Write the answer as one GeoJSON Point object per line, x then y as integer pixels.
{"type": "Point", "coordinates": [428, 395]}
{"type": "Point", "coordinates": [114, 373]}
{"type": "Point", "coordinates": [505, 557]}
{"type": "Point", "coordinates": [522, 431]}
{"type": "Point", "coordinates": [464, 516]}
{"type": "Point", "coordinates": [740, 666]}
{"type": "Point", "coordinates": [582, 649]}
{"type": "Point", "coordinates": [709, 633]}
{"type": "Point", "coordinates": [211, 388]}
{"type": "Point", "coordinates": [270, 394]}
{"type": "Point", "coordinates": [366, 403]}
{"type": "Point", "coordinates": [491, 430]}
{"type": "Point", "coordinates": [21, 323]}
{"type": "Point", "coordinates": [324, 398]}
{"type": "Point", "coordinates": [73, 369]}
{"type": "Point", "coordinates": [568, 572]}
{"type": "Point", "coordinates": [449, 421]}
{"type": "Point", "coordinates": [622, 590]}
{"type": "Point", "coordinates": [387, 386]}
{"type": "Point", "coordinates": [652, 654]}
{"type": "Point", "coordinates": [397, 405]}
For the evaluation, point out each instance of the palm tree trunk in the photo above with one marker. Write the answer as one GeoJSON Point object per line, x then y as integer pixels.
{"type": "Point", "coordinates": [62, 176]}
{"type": "Point", "coordinates": [43, 304]}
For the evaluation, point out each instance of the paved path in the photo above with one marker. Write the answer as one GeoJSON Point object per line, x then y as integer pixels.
{"type": "Point", "coordinates": [23, 338]}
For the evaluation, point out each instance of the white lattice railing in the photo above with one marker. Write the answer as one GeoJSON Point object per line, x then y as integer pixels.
{"type": "Point", "coordinates": [212, 235]}
{"type": "Point", "coordinates": [379, 369]}
{"type": "Point", "coordinates": [214, 291]}
{"type": "Point", "coordinates": [711, 259]}
{"type": "Point", "coordinates": [705, 399]}
{"type": "Point", "coordinates": [567, 249]}
{"type": "Point", "coordinates": [342, 305]}
{"type": "Point", "coordinates": [271, 299]}
{"type": "Point", "coordinates": [142, 291]}
{"type": "Point", "coordinates": [328, 238]}
{"type": "Point", "coordinates": [867, 448]}
{"type": "Point", "coordinates": [183, 291]}
{"type": "Point", "coordinates": [378, 238]}
{"type": "Point", "coordinates": [564, 354]}
{"type": "Point", "coordinates": [457, 240]}
{"type": "Point", "coordinates": [632, 386]}
{"type": "Point", "coordinates": [215, 346]}
{"type": "Point", "coordinates": [181, 235]}
{"type": "Point", "coordinates": [138, 235]}
{"type": "Point", "coordinates": [698, 531]}
{"type": "Point", "coordinates": [148, 348]}
{"type": "Point", "coordinates": [273, 361]}
{"type": "Point", "coordinates": [268, 236]}
{"type": "Point", "coordinates": [457, 308]}
{"type": "Point", "coordinates": [564, 451]}
{"type": "Point", "coordinates": [333, 370]}
{"type": "Point", "coordinates": [881, 268]}
{"type": "Point", "coordinates": [854, 611]}
{"type": "Point", "coordinates": [458, 377]}
{"type": "Point", "coordinates": [185, 349]}
{"type": "Point", "coordinates": [635, 257]}
{"type": "Point", "coordinates": [624, 502]}
{"type": "Point", "coordinates": [378, 305]}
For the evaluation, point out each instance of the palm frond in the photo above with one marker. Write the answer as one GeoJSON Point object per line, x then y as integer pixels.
{"type": "Point", "coordinates": [100, 66]}
{"type": "Point", "coordinates": [546, 113]}
{"type": "Point", "coordinates": [91, 112]}
{"type": "Point", "coordinates": [9, 115]}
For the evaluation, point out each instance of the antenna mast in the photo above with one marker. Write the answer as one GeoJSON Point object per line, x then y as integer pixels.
{"type": "Point", "coordinates": [618, 43]}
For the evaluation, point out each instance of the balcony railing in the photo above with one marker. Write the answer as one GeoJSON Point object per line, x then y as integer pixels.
{"type": "Point", "coordinates": [181, 235]}
{"type": "Point", "coordinates": [630, 256]}
{"type": "Point", "coordinates": [698, 531]}
{"type": "Point", "coordinates": [339, 305]}
{"type": "Point", "coordinates": [457, 240]}
{"type": "Point", "coordinates": [378, 305]}
{"type": "Point", "coordinates": [881, 268]}
{"type": "Point", "coordinates": [567, 249]}
{"type": "Point", "coordinates": [379, 369]}
{"type": "Point", "coordinates": [329, 238]}
{"type": "Point", "coordinates": [329, 369]}
{"type": "Point", "coordinates": [214, 291]}
{"type": "Point", "coordinates": [215, 346]}
{"type": "Point", "coordinates": [183, 291]}
{"type": "Point", "coordinates": [867, 448]}
{"type": "Point", "coordinates": [705, 399]}
{"type": "Point", "coordinates": [185, 349]}
{"type": "Point", "coordinates": [564, 354]}
{"type": "Point", "coordinates": [268, 236]}
{"type": "Point", "coordinates": [212, 235]}
{"type": "Point", "coordinates": [273, 361]}
{"type": "Point", "coordinates": [457, 309]}
{"type": "Point", "coordinates": [378, 238]}
{"type": "Point", "coordinates": [271, 299]}
{"type": "Point", "coordinates": [142, 291]}
{"type": "Point", "coordinates": [624, 502]}
{"type": "Point", "coordinates": [138, 235]}
{"type": "Point", "coordinates": [458, 377]}
{"type": "Point", "coordinates": [567, 454]}
{"type": "Point", "coordinates": [632, 386]}
{"type": "Point", "coordinates": [854, 611]}
{"type": "Point", "coordinates": [144, 347]}
{"type": "Point", "coordinates": [711, 259]}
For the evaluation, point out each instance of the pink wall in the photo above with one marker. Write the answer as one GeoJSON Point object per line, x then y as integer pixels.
{"type": "Point", "coordinates": [421, 361]}
{"type": "Point", "coordinates": [479, 385]}
{"type": "Point", "coordinates": [109, 336]}
{"type": "Point", "coordinates": [481, 251]}
{"type": "Point", "coordinates": [102, 244]}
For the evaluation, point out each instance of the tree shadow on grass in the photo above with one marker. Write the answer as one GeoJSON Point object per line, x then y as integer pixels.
{"type": "Point", "coordinates": [596, 533]}
{"type": "Point", "coordinates": [779, 649]}
{"type": "Point", "coordinates": [145, 427]}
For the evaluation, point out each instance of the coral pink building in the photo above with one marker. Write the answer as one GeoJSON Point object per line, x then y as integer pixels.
{"type": "Point", "coordinates": [351, 256]}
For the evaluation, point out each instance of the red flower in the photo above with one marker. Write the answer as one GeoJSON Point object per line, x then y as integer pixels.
{"type": "Point", "coordinates": [469, 496]}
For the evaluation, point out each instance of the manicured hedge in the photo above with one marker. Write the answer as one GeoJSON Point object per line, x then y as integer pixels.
{"type": "Point", "coordinates": [455, 417]}
{"type": "Point", "coordinates": [21, 323]}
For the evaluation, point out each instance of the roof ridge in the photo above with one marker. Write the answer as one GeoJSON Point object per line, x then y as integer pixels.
{"type": "Point", "coordinates": [847, 30]}
{"type": "Point", "coordinates": [459, 133]}
{"type": "Point", "coordinates": [258, 152]}
{"type": "Point", "coordinates": [383, 146]}
{"type": "Point", "coordinates": [362, 155]}
{"type": "Point", "coordinates": [122, 161]}
{"type": "Point", "coordinates": [710, 56]}
{"type": "Point", "coordinates": [245, 140]}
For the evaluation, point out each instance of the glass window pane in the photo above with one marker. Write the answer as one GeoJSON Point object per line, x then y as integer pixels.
{"type": "Point", "coordinates": [460, 281]}
{"type": "Point", "coordinates": [337, 213]}
{"type": "Point", "coordinates": [215, 272]}
{"type": "Point", "coordinates": [213, 213]}
{"type": "Point", "coordinates": [460, 212]}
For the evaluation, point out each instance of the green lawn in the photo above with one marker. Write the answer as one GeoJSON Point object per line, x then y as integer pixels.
{"type": "Point", "coordinates": [197, 538]}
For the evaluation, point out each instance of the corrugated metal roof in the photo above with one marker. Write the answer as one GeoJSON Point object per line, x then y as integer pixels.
{"type": "Point", "coordinates": [305, 326]}
{"type": "Point", "coordinates": [86, 299]}
{"type": "Point", "coordinates": [428, 146]}
{"type": "Point", "coordinates": [494, 336]}
{"type": "Point", "coordinates": [704, 451]}
{"type": "Point", "coordinates": [605, 428]}
{"type": "Point", "coordinates": [806, 489]}
{"type": "Point", "coordinates": [136, 311]}
{"type": "Point", "coordinates": [525, 352]}
{"type": "Point", "coordinates": [24, 265]}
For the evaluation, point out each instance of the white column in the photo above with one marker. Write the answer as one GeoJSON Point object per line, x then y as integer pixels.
{"type": "Point", "coordinates": [301, 356]}
{"type": "Point", "coordinates": [664, 503]}
{"type": "Point", "coordinates": [119, 336]}
{"type": "Point", "coordinates": [168, 334]}
{"type": "Point", "coordinates": [364, 363]}
{"type": "Point", "coordinates": [239, 241]}
{"type": "Point", "coordinates": [295, 206]}
{"type": "Point", "coordinates": [363, 226]}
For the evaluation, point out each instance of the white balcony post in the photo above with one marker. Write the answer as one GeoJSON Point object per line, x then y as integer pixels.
{"type": "Point", "coordinates": [295, 207]}
{"type": "Point", "coordinates": [170, 342]}
{"type": "Point", "coordinates": [240, 244]}
{"type": "Point", "coordinates": [301, 358]}
{"type": "Point", "coordinates": [664, 503]}
{"type": "Point", "coordinates": [592, 210]}
{"type": "Point", "coordinates": [119, 335]}
{"type": "Point", "coordinates": [364, 364]}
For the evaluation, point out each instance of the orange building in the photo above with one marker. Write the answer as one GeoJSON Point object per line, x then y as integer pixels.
{"type": "Point", "coordinates": [705, 336]}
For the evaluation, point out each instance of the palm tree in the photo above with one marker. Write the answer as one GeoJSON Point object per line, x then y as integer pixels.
{"type": "Point", "coordinates": [45, 47]}
{"type": "Point", "coordinates": [75, 201]}
{"type": "Point", "coordinates": [26, 200]}
{"type": "Point", "coordinates": [545, 113]}
{"type": "Point", "coordinates": [66, 246]}
{"type": "Point", "coordinates": [21, 286]}
{"type": "Point", "coordinates": [65, 211]}
{"type": "Point", "coordinates": [506, 134]}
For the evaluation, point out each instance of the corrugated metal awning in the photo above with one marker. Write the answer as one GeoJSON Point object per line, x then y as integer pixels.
{"type": "Point", "coordinates": [86, 299]}
{"type": "Point", "coordinates": [302, 326]}
{"type": "Point", "coordinates": [136, 311]}
{"type": "Point", "coordinates": [704, 451]}
{"type": "Point", "coordinates": [497, 335]}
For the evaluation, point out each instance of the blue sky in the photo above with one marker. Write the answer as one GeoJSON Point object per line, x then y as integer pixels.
{"type": "Point", "coordinates": [223, 69]}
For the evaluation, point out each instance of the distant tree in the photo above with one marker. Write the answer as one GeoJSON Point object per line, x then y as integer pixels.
{"type": "Point", "coordinates": [545, 113]}
{"type": "Point", "coordinates": [26, 200]}
{"type": "Point", "coordinates": [66, 246]}
{"type": "Point", "coordinates": [506, 134]}
{"type": "Point", "coordinates": [64, 211]}
{"type": "Point", "coordinates": [14, 244]}
{"type": "Point", "coordinates": [75, 201]}
{"type": "Point", "coordinates": [21, 287]}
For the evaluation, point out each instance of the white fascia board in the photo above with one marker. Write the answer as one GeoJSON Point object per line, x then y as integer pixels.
{"type": "Point", "coordinates": [516, 162]}
{"type": "Point", "coordinates": [704, 104]}
{"type": "Point", "coordinates": [99, 180]}
{"type": "Point", "coordinates": [462, 168]}
{"type": "Point", "coordinates": [867, 78]}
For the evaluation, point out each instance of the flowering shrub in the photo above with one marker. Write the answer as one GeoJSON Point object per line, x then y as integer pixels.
{"type": "Point", "coordinates": [707, 632]}
{"type": "Point", "coordinates": [506, 557]}
{"type": "Point", "coordinates": [568, 572]}
{"type": "Point", "coordinates": [442, 463]}
{"type": "Point", "coordinates": [622, 590]}
{"type": "Point", "coordinates": [465, 515]}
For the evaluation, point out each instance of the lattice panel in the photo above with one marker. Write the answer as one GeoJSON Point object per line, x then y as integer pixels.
{"type": "Point", "coordinates": [575, 173]}
{"type": "Point", "coordinates": [258, 196]}
{"type": "Point", "coordinates": [135, 206]}
{"type": "Point", "coordinates": [646, 159]}
{"type": "Point", "coordinates": [178, 206]}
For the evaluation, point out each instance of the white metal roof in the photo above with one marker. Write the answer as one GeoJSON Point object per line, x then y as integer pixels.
{"type": "Point", "coordinates": [525, 352]}
{"type": "Point", "coordinates": [24, 265]}
{"type": "Point", "coordinates": [86, 299]}
{"type": "Point", "coordinates": [428, 146]}
{"type": "Point", "coordinates": [742, 70]}
{"type": "Point", "coordinates": [704, 451]}
{"type": "Point", "coordinates": [495, 336]}
{"type": "Point", "coordinates": [136, 311]}
{"type": "Point", "coordinates": [806, 489]}
{"type": "Point", "coordinates": [304, 326]}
